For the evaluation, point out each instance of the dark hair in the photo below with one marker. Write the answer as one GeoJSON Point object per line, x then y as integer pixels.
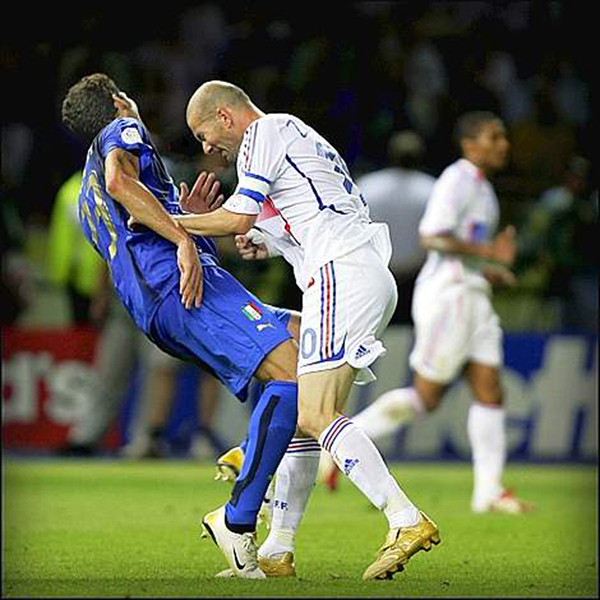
{"type": "Point", "coordinates": [469, 125]}
{"type": "Point", "coordinates": [406, 149]}
{"type": "Point", "coordinates": [88, 106]}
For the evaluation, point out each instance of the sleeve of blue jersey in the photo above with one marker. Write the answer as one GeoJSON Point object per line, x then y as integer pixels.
{"type": "Point", "coordinates": [127, 134]}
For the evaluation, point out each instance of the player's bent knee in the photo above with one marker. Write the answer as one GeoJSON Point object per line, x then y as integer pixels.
{"type": "Point", "coordinates": [313, 423]}
{"type": "Point", "coordinates": [308, 426]}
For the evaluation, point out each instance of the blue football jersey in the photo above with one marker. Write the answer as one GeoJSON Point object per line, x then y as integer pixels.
{"type": "Point", "coordinates": [143, 265]}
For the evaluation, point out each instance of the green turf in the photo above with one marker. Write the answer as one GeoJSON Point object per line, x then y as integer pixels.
{"type": "Point", "coordinates": [89, 529]}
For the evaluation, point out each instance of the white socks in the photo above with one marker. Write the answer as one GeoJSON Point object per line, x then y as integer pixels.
{"type": "Point", "coordinates": [356, 456]}
{"type": "Point", "coordinates": [388, 412]}
{"type": "Point", "coordinates": [485, 426]}
{"type": "Point", "coordinates": [294, 481]}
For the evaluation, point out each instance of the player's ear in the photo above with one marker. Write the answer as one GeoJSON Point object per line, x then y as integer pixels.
{"type": "Point", "coordinates": [225, 116]}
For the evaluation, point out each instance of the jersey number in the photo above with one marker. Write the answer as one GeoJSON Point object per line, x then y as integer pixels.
{"type": "Point", "coordinates": [98, 211]}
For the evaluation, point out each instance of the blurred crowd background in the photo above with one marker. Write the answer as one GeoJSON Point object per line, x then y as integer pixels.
{"type": "Point", "coordinates": [358, 73]}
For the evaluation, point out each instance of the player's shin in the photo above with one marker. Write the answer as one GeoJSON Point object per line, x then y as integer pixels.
{"type": "Point", "coordinates": [271, 428]}
{"type": "Point", "coordinates": [485, 426]}
{"type": "Point", "coordinates": [296, 476]}
{"type": "Point", "coordinates": [357, 457]}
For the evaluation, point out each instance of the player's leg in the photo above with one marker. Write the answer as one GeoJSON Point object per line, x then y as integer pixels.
{"type": "Point", "coordinates": [319, 405]}
{"type": "Point", "coordinates": [486, 427]}
{"type": "Point", "coordinates": [272, 424]}
{"type": "Point", "coordinates": [486, 419]}
{"type": "Point", "coordinates": [390, 411]}
{"type": "Point", "coordinates": [293, 483]}
{"type": "Point", "coordinates": [341, 323]}
{"type": "Point", "coordinates": [359, 459]}
{"type": "Point", "coordinates": [271, 427]}
{"type": "Point", "coordinates": [236, 338]}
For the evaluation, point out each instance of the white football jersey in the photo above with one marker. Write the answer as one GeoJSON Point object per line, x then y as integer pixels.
{"type": "Point", "coordinates": [287, 164]}
{"type": "Point", "coordinates": [463, 203]}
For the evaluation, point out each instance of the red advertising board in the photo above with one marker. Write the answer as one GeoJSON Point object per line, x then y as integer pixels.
{"type": "Point", "coordinates": [46, 375]}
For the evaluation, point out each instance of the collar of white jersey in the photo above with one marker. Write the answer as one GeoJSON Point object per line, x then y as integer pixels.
{"type": "Point", "coordinates": [472, 169]}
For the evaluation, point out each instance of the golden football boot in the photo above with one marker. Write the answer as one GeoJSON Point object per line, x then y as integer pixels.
{"type": "Point", "coordinates": [280, 565]}
{"type": "Point", "coordinates": [229, 465]}
{"type": "Point", "coordinates": [401, 543]}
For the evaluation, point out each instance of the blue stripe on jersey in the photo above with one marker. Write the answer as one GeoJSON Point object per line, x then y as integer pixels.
{"type": "Point", "coordinates": [259, 177]}
{"type": "Point", "coordinates": [322, 206]}
{"type": "Point", "coordinates": [251, 194]}
{"type": "Point", "coordinates": [290, 122]}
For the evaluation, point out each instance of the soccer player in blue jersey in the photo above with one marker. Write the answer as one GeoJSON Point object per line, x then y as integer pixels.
{"type": "Point", "coordinates": [176, 292]}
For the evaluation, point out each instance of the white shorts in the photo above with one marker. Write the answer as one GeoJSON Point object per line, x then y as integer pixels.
{"type": "Point", "coordinates": [452, 328]}
{"type": "Point", "coordinates": [348, 303]}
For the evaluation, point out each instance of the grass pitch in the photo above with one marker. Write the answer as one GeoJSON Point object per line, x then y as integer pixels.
{"type": "Point", "coordinates": [119, 529]}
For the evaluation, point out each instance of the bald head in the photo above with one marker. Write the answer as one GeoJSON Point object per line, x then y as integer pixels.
{"type": "Point", "coordinates": [211, 96]}
{"type": "Point", "coordinates": [218, 114]}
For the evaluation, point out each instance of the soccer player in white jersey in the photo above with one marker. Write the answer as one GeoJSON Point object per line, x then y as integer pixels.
{"type": "Point", "coordinates": [340, 262]}
{"type": "Point", "coordinates": [456, 326]}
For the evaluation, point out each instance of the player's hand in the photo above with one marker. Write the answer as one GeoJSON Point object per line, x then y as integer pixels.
{"type": "Point", "coordinates": [504, 246]}
{"type": "Point", "coordinates": [250, 246]}
{"type": "Point", "coordinates": [190, 279]}
{"type": "Point", "coordinates": [125, 106]}
{"type": "Point", "coordinates": [204, 196]}
{"type": "Point", "coordinates": [498, 275]}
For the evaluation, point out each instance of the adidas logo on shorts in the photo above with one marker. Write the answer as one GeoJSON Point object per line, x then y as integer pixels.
{"type": "Point", "coordinates": [361, 352]}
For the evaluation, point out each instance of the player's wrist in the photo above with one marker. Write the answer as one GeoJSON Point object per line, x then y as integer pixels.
{"type": "Point", "coordinates": [183, 237]}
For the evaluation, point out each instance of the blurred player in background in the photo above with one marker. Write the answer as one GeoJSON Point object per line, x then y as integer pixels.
{"type": "Point", "coordinates": [457, 330]}
{"type": "Point", "coordinates": [175, 291]}
{"type": "Point", "coordinates": [398, 195]}
{"type": "Point", "coordinates": [322, 227]}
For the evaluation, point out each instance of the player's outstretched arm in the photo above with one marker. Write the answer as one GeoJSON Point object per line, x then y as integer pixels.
{"type": "Point", "coordinates": [123, 184]}
{"type": "Point", "coordinates": [220, 222]}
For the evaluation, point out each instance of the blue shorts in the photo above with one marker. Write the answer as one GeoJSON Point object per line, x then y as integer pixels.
{"type": "Point", "coordinates": [229, 335]}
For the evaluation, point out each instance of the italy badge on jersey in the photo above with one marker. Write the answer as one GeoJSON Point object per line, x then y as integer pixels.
{"type": "Point", "coordinates": [252, 312]}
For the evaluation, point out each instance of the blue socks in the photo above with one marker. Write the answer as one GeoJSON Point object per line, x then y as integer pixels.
{"type": "Point", "coordinates": [272, 425]}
